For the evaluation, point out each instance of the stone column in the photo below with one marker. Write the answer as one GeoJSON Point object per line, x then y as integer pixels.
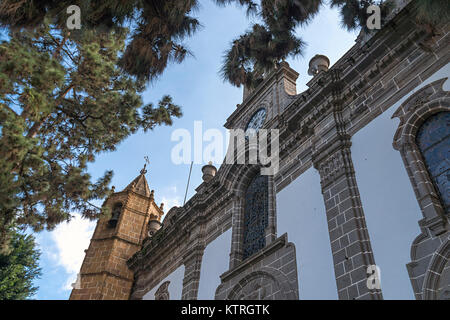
{"type": "Point", "coordinates": [271, 231]}
{"type": "Point", "coordinates": [237, 222]}
{"type": "Point", "coordinates": [192, 264]}
{"type": "Point", "coordinates": [350, 244]}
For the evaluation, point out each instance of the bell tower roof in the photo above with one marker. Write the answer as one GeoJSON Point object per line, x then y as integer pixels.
{"type": "Point", "coordinates": [139, 184]}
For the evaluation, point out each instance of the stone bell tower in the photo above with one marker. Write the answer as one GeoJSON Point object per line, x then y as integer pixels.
{"type": "Point", "coordinates": [104, 274]}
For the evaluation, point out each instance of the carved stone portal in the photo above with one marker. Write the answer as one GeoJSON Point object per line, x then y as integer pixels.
{"type": "Point", "coordinates": [270, 274]}
{"type": "Point", "coordinates": [254, 291]}
{"type": "Point", "coordinates": [258, 288]}
{"type": "Point", "coordinates": [163, 292]}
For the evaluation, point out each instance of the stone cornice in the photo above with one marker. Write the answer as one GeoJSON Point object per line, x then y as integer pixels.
{"type": "Point", "coordinates": [352, 76]}
{"type": "Point", "coordinates": [108, 273]}
{"type": "Point", "coordinates": [130, 192]}
{"type": "Point", "coordinates": [197, 213]}
{"type": "Point", "coordinates": [116, 237]}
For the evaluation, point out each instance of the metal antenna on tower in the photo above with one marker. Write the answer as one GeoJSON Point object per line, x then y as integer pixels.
{"type": "Point", "coordinates": [187, 186]}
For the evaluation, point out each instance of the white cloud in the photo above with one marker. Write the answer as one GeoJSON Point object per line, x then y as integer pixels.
{"type": "Point", "coordinates": [170, 202]}
{"type": "Point", "coordinates": [173, 189]}
{"type": "Point", "coordinates": [170, 199]}
{"type": "Point", "coordinates": [71, 239]}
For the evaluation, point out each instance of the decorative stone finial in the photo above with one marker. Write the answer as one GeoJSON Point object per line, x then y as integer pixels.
{"type": "Point", "coordinates": [153, 226]}
{"type": "Point", "coordinates": [318, 63]}
{"type": "Point", "coordinates": [209, 171]}
{"type": "Point", "coordinates": [161, 206]}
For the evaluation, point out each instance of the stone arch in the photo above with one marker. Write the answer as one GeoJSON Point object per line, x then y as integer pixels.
{"type": "Point", "coordinates": [413, 113]}
{"type": "Point", "coordinates": [439, 262]}
{"type": "Point", "coordinates": [116, 213]}
{"type": "Point", "coordinates": [417, 108]}
{"type": "Point", "coordinates": [230, 174]}
{"type": "Point", "coordinates": [239, 178]}
{"type": "Point", "coordinates": [235, 176]}
{"type": "Point", "coordinates": [255, 283]}
{"type": "Point", "coordinates": [244, 176]}
{"type": "Point", "coordinates": [407, 134]}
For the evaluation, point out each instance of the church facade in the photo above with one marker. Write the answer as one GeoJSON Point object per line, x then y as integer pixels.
{"type": "Point", "coordinates": [133, 252]}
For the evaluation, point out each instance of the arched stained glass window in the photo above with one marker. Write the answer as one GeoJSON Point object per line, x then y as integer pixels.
{"type": "Point", "coordinates": [433, 139]}
{"type": "Point", "coordinates": [256, 215]}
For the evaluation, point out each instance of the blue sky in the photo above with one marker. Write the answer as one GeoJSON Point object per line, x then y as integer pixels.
{"type": "Point", "coordinates": [197, 87]}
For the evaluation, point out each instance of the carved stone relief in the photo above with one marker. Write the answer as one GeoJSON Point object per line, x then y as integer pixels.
{"type": "Point", "coordinates": [163, 292]}
{"type": "Point", "coordinates": [270, 274]}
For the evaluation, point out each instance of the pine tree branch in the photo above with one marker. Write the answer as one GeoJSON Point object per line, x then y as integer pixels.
{"type": "Point", "coordinates": [70, 55]}
{"type": "Point", "coordinates": [93, 205]}
{"type": "Point", "coordinates": [59, 44]}
{"type": "Point", "coordinates": [37, 125]}
{"type": "Point", "coordinates": [11, 110]}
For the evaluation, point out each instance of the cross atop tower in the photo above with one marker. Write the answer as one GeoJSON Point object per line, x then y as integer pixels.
{"type": "Point", "coordinates": [147, 161]}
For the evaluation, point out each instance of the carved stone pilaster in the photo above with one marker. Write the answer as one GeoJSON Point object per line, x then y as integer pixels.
{"type": "Point", "coordinates": [335, 163]}
{"type": "Point", "coordinates": [237, 235]}
{"type": "Point", "coordinates": [350, 243]}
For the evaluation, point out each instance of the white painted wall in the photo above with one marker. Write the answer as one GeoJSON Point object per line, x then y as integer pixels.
{"type": "Point", "coordinates": [215, 262]}
{"type": "Point", "coordinates": [388, 198]}
{"type": "Point", "coordinates": [175, 286]}
{"type": "Point", "coordinates": [389, 203]}
{"type": "Point", "coordinates": [301, 213]}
